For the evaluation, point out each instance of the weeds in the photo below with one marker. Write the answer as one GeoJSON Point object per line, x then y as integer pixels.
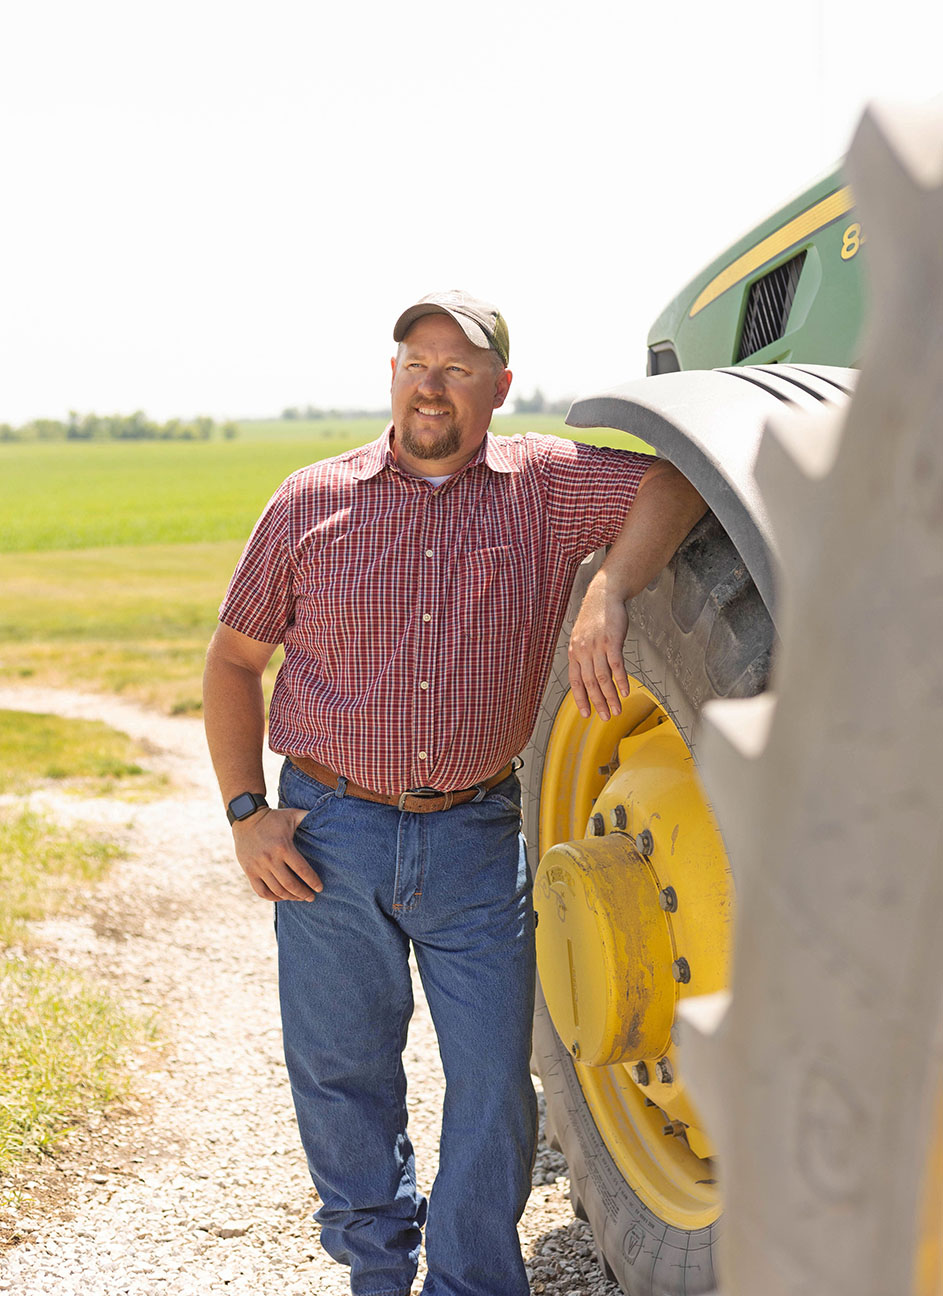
{"type": "Point", "coordinates": [62, 1044]}
{"type": "Point", "coordinates": [84, 756]}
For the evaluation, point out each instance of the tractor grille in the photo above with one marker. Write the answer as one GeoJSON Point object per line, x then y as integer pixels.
{"type": "Point", "coordinates": [768, 307]}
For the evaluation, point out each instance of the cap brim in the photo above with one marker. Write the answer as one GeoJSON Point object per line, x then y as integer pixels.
{"type": "Point", "coordinates": [474, 332]}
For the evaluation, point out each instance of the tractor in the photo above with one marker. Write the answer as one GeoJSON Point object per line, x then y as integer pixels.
{"type": "Point", "coordinates": [652, 868]}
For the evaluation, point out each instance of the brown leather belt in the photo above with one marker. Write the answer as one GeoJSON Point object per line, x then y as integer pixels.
{"type": "Point", "coordinates": [416, 800]}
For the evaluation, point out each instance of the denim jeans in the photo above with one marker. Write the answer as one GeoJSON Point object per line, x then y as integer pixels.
{"type": "Point", "coordinates": [453, 883]}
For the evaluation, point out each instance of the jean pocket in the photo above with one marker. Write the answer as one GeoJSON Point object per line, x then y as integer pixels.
{"type": "Point", "coordinates": [299, 791]}
{"type": "Point", "coordinates": [495, 798]}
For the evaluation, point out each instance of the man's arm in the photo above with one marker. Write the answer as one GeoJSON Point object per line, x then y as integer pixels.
{"type": "Point", "coordinates": [666, 508]}
{"type": "Point", "coordinates": [234, 714]}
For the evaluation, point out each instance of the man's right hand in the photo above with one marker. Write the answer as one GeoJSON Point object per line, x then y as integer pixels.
{"type": "Point", "coordinates": [265, 847]}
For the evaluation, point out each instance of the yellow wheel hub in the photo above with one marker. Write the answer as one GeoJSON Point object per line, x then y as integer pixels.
{"type": "Point", "coordinates": [634, 899]}
{"type": "Point", "coordinates": [605, 944]}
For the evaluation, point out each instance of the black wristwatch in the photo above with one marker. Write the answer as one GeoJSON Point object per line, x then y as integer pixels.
{"type": "Point", "coordinates": [244, 805]}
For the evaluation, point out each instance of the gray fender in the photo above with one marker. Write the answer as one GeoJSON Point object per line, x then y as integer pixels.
{"type": "Point", "coordinates": [709, 424]}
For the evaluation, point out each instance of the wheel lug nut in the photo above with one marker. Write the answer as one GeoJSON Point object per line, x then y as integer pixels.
{"type": "Point", "coordinates": [575, 1049]}
{"type": "Point", "coordinates": [644, 843]}
{"type": "Point", "coordinates": [663, 1071]}
{"type": "Point", "coordinates": [676, 1128]}
{"type": "Point", "coordinates": [668, 899]}
{"type": "Point", "coordinates": [639, 1073]}
{"type": "Point", "coordinates": [681, 970]}
{"type": "Point", "coordinates": [597, 825]}
{"type": "Point", "coordinates": [618, 816]}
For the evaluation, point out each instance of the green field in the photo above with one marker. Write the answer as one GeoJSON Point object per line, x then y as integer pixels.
{"type": "Point", "coordinates": [81, 495]}
{"type": "Point", "coordinates": [114, 556]}
{"type": "Point", "coordinates": [70, 495]}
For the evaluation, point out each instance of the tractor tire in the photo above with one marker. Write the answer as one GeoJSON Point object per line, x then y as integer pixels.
{"type": "Point", "coordinates": [700, 631]}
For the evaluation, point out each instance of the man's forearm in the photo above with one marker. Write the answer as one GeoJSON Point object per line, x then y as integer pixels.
{"type": "Point", "coordinates": [234, 715]}
{"type": "Point", "coordinates": [665, 509]}
{"type": "Point", "coordinates": [234, 711]}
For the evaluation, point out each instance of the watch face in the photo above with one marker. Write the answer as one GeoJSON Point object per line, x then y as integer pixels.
{"type": "Point", "coordinates": [243, 805]}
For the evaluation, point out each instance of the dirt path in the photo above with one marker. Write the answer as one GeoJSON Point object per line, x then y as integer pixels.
{"type": "Point", "coordinates": [197, 1184]}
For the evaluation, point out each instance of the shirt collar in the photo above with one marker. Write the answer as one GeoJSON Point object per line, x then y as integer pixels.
{"type": "Point", "coordinates": [377, 455]}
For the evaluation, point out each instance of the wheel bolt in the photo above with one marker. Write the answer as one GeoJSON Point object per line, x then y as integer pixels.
{"type": "Point", "coordinates": [681, 970]}
{"type": "Point", "coordinates": [663, 1071]}
{"type": "Point", "coordinates": [668, 899]}
{"type": "Point", "coordinates": [676, 1128]}
{"type": "Point", "coordinates": [639, 1073]}
{"type": "Point", "coordinates": [618, 817]}
{"type": "Point", "coordinates": [575, 1049]}
{"type": "Point", "coordinates": [645, 843]}
{"type": "Point", "coordinates": [597, 825]}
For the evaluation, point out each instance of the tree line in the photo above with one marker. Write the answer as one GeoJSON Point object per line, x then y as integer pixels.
{"type": "Point", "coordinates": [118, 427]}
{"type": "Point", "coordinates": [315, 412]}
{"type": "Point", "coordinates": [535, 404]}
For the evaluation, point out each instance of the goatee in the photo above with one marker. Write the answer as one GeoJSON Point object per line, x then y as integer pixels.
{"type": "Point", "coordinates": [444, 446]}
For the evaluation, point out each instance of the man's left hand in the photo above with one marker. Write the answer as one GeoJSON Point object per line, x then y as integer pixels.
{"type": "Point", "coordinates": [596, 670]}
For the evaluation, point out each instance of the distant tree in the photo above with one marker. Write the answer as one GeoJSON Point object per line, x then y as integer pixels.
{"type": "Point", "coordinates": [47, 429]}
{"type": "Point", "coordinates": [559, 406]}
{"type": "Point", "coordinates": [536, 404]}
{"type": "Point", "coordinates": [230, 431]}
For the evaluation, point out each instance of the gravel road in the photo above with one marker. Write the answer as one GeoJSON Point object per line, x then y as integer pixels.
{"type": "Point", "coordinates": [196, 1183]}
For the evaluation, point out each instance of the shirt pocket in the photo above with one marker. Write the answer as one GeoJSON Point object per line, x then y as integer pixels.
{"type": "Point", "coordinates": [495, 592]}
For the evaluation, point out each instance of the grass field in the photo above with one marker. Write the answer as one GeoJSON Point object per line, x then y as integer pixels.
{"type": "Point", "coordinates": [114, 556]}
{"type": "Point", "coordinates": [133, 620]}
{"type": "Point", "coordinates": [80, 495]}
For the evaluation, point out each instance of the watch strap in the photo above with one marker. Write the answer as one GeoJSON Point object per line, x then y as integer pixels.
{"type": "Point", "coordinates": [244, 805]}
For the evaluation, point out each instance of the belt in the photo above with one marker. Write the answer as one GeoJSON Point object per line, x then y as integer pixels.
{"type": "Point", "coordinates": [421, 800]}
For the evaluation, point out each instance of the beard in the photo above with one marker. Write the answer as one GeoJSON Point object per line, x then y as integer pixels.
{"type": "Point", "coordinates": [443, 446]}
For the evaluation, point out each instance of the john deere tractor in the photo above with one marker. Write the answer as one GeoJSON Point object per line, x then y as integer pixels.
{"type": "Point", "coordinates": [636, 884]}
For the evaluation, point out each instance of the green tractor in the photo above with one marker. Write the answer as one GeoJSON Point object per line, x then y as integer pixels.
{"type": "Point", "coordinates": [633, 890]}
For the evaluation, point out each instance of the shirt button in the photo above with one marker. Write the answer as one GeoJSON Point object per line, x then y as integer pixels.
{"type": "Point", "coordinates": [427, 616]}
{"type": "Point", "coordinates": [422, 755]}
{"type": "Point", "coordinates": [428, 553]}
{"type": "Point", "coordinates": [423, 684]}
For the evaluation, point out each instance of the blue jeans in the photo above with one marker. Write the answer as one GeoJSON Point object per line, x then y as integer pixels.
{"type": "Point", "coordinates": [454, 883]}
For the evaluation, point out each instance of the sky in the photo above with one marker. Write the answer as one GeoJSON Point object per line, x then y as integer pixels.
{"type": "Point", "coordinates": [221, 208]}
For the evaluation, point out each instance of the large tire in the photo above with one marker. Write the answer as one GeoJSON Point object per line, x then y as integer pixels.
{"type": "Point", "coordinates": [699, 632]}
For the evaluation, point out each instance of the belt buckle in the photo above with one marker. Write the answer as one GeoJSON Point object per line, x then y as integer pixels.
{"type": "Point", "coordinates": [426, 792]}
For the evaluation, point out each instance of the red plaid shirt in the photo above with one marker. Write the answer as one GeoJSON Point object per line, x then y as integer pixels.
{"type": "Point", "coordinates": [419, 623]}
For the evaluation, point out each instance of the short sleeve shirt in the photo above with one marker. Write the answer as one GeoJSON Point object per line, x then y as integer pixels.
{"type": "Point", "coordinates": [419, 622]}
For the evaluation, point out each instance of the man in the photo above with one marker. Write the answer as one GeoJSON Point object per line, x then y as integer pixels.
{"type": "Point", "coordinates": [418, 585]}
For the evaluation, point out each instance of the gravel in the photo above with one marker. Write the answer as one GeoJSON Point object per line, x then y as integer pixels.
{"type": "Point", "coordinates": [196, 1182]}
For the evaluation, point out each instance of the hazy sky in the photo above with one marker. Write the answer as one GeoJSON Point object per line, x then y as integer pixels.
{"type": "Point", "coordinates": [221, 208]}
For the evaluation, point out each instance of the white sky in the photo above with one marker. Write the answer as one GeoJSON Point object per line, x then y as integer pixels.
{"type": "Point", "coordinates": [221, 207]}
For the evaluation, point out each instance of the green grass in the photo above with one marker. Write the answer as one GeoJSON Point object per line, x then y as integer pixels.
{"type": "Point", "coordinates": [84, 756]}
{"type": "Point", "coordinates": [63, 1041]}
{"type": "Point", "coordinates": [114, 556]}
{"type": "Point", "coordinates": [81, 495]}
{"type": "Point", "coordinates": [62, 1051]}
{"type": "Point", "coordinates": [40, 868]}
{"type": "Point", "coordinates": [133, 621]}
{"type": "Point", "coordinates": [78, 496]}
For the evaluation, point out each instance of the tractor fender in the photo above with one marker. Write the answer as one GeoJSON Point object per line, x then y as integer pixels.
{"type": "Point", "coordinates": [709, 424]}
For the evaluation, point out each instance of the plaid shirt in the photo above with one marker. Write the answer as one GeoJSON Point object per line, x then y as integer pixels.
{"type": "Point", "coordinates": [419, 623]}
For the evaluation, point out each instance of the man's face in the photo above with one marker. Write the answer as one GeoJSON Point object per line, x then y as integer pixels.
{"type": "Point", "coordinates": [444, 392]}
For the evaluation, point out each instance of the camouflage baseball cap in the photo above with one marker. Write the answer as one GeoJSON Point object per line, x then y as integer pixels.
{"type": "Point", "coordinates": [482, 323]}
